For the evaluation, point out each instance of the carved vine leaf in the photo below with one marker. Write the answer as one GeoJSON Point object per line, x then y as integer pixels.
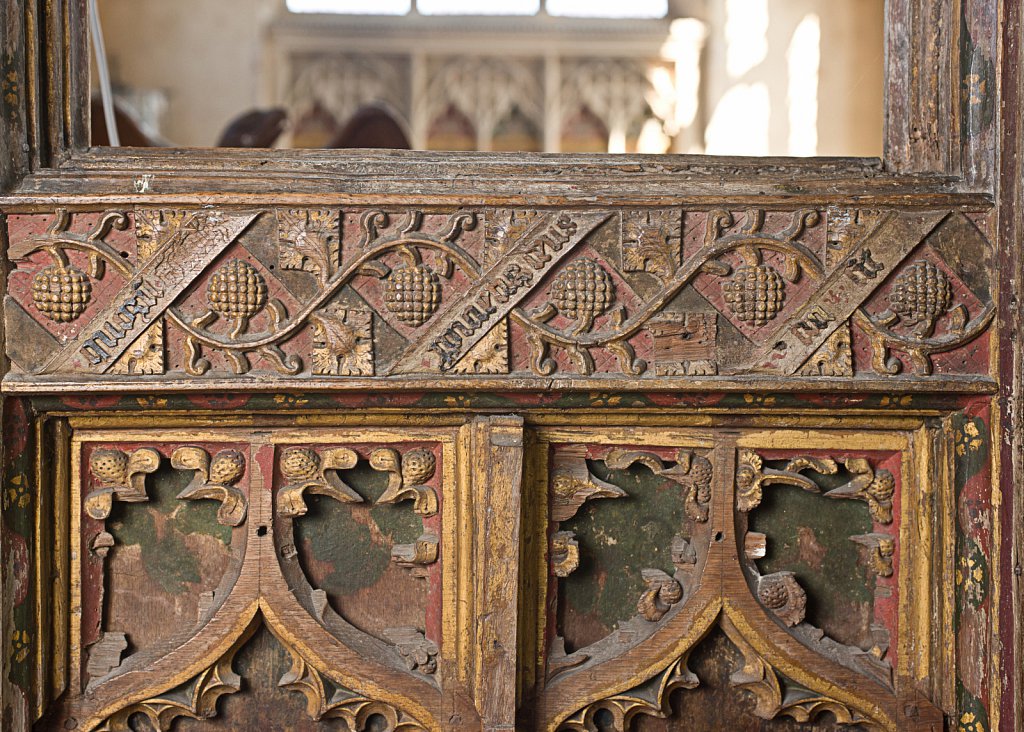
{"type": "Point", "coordinates": [489, 356]}
{"type": "Point", "coordinates": [752, 476]}
{"type": "Point", "coordinates": [121, 476]}
{"type": "Point", "coordinates": [833, 358]}
{"type": "Point", "coordinates": [309, 240]}
{"type": "Point", "coordinates": [145, 355]}
{"type": "Point", "coordinates": [154, 227]}
{"type": "Point", "coordinates": [652, 698]}
{"type": "Point", "coordinates": [195, 699]}
{"type": "Point", "coordinates": [783, 595]}
{"type": "Point", "coordinates": [307, 471]}
{"type": "Point", "coordinates": [652, 242]}
{"type": "Point", "coordinates": [880, 549]}
{"type": "Point", "coordinates": [875, 488]}
{"type": "Point", "coordinates": [406, 476]}
{"type": "Point", "coordinates": [214, 478]}
{"type": "Point", "coordinates": [342, 342]}
{"type": "Point", "coordinates": [572, 485]}
{"type": "Point", "coordinates": [565, 553]}
{"type": "Point", "coordinates": [327, 700]}
{"type": "Point", "coordinates": [420, 553]}
{"type": "Point", "coordinates": [772, 699]}
{"type": "Point", "coordinates": [661, 593]}
{"type": "Point", "coordinates": [418, 651]}
{"type": "Point", "coordinates": [692, 472]}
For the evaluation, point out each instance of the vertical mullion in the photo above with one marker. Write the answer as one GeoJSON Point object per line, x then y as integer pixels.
{"type": "Point", "coordinates": [497, 472]}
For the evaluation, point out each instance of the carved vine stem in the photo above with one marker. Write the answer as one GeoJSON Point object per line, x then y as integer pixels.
{"type": "Point", "coordinates": [918, 349]}
{"type": "Point", "coordinates": [749, 239]}
{"type": "Point", "coordinates": [363, 264]}
{"type": "Point", "coordinates": [57, 238]}
{"type": "Point", "coordinates": [282, 328]}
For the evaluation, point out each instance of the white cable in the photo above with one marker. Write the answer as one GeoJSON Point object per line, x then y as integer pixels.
{"type": "Point", "coordinates": [104, 73]}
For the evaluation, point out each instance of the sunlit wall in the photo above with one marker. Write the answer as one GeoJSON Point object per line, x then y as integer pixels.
{"type": "Point", "coordinates": [794, 77]}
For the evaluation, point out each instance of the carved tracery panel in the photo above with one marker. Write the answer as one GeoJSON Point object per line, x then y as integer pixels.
{"type": "Point", "coordinates": [359, 613]}
{"type": "Point", "coordinates": [790, 547]}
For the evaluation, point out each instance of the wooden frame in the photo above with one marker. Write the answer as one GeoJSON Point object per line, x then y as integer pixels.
{"type": "Point", "coordinates": [953, 143]}
{"type": "Point", "coordinates": [924, 142]}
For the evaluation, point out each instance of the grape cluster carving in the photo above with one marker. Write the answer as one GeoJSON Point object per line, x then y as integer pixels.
{"type": "Point", "coordinates": [237, 291]}
{"type": "Point", "coordinates": [755, 293]}
{"type": "Point", "coordinates": [921, 294]}
{"type": "Point", "coordinates": [413, 293]}
{"type": "Point", "coordinates": [582, 291]}
{"type": "Point", "coordinates": [61, 292]}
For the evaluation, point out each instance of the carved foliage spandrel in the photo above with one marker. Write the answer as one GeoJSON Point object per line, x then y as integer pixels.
{"type": "Point", "coordinates": [651, 698]}
{"type": "Point", "coordinates": [407, 475]}
{"type": "Point", "coordinates": [852, 601]}
{"type": "Point", "coordinates": [215, 477]}
{"type": "Point", "coordinates": [195, 699]}
{"type": "Point", "coordinates": [326, 699]}
{"type": "Point", "coordinates": [306, 470]}
{"type": "Point", "coordinates": [775, 697]}
{"type": "Point", "coordinates": [773, 694]}
{"type": "Point", "coordinates": [628, 549]}
{"type": "Point", "coordinates": [364, 529]}
{"type": "Point", "coordinates": [121, 475]}
{"type": "Point", "coordinates": [143, 570]}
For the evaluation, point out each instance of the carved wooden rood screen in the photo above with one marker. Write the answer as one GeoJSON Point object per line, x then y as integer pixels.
{"type": "Point", "coordinates": [414, 441]}
{"type": "Point", "coordinates": [416, 557]}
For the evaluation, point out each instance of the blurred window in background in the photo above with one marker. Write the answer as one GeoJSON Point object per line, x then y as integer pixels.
{"type": "Point", "coordinates": [721, 77]}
